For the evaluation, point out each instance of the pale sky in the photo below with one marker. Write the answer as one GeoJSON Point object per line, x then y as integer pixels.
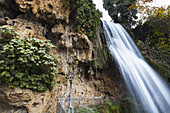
{"type": "Point", "coordinates": [99, 5]}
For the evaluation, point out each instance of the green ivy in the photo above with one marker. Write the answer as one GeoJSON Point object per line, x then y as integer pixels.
{"type": "Point", "coordinates": [26, 62]}
{"type": "Point", "coordinates": [65, 3]}
{"type": "Point", "coordinates": [86, 18]}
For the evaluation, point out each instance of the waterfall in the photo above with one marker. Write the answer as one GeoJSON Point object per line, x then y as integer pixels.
{"type": "Point", "coordinates": [148, 91]}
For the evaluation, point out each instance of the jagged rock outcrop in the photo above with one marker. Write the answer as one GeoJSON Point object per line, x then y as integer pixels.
{"type": "Point", "coordinates": [24, 100]}
{"type": "Point", "coordinates": [94, 74]}
{"type": "Point", "coordinates": [48, 10]}
{"type": "Point", "coordinates": [26, 28]}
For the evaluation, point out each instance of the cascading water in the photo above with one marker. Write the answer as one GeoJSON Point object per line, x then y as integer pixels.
{"type": "Point", "coordinates": [149, 92]}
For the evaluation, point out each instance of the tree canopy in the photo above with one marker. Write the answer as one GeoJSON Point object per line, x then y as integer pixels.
{"type": "Point", "coordinates": [120, 11]}
{"type": "Point", "coordinates": [153, 38]}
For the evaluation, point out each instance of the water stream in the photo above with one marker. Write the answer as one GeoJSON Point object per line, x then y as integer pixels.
{"type": "Point", "coordinates": [148, 91]}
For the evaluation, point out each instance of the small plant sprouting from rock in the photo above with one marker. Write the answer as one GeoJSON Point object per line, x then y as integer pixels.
{"type": "Point", "coordinates": [26, 62]}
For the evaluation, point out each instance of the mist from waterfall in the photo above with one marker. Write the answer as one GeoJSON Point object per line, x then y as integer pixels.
{"type": "Point", "coordinates": [147, 89]}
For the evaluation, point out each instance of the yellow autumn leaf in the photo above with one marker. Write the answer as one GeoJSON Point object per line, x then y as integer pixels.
{"type": "Point", "coordinates": [83, 29]}
{"type": "Point", "coordinates": [131, 6]}
{"type": "Point", "coordinates": [22, 51]}
{"type": "Point", "coordinates": [3, 73]}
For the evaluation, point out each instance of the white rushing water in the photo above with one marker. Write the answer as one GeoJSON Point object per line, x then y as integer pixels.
{"type": "Point", "coordinates": [148, 91]}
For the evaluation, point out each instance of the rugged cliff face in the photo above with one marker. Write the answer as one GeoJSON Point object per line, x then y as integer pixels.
{"type": "Point", "coordinates": [88, 60]}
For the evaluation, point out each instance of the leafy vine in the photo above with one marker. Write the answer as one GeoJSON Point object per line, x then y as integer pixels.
{"type": "Point", "coordinates": [86, 18]}
{"type": "Point", "coordinates": [26, 62]}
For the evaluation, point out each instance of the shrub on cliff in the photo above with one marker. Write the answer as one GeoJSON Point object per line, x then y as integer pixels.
{"type": "Point", "coordinates": [84, 16]}
{"type": "Point", "coordinates": [26, 62]}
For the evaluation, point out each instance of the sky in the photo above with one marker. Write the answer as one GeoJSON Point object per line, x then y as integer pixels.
{"type": "Point", "coordinates": [99, 5]}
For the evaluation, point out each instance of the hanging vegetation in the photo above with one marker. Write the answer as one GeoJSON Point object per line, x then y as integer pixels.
{"type": "Point", "coordinates": [84, 16]}
{"type": "Point", "coordinates": [26, 62]}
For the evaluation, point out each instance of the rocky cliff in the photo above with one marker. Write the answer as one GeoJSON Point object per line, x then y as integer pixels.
{"type": "Point", "coordinates": [95, 74]}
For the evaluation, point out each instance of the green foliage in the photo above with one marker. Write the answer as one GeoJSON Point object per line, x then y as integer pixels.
{"type": "Point", "coordinates": [26, 62]}
{"type": "Point", "coordinates": [125, 106]}
{"type": "Point", "coordinates": [85, 17]}
{"type": "Point", "coordinates": [84, 110]}
{"type": "Point", "coordinates": [120, 12]}
{"type": "Point", "coordinates": [146, 10]}
{"type": "Point", "coordinates": [155, 37]}
{"type": "Point", "coordinates": [161, 69]}
{"type": "Point", "coordinates": [65, 3]}
{"type": "Point", "coordinates": [156, 27]}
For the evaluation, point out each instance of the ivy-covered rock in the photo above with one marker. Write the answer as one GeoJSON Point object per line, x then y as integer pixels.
{"type": "Point", "coordinates": [84, 16]}
{"type": "Point", "coordinates": [26, 62]}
